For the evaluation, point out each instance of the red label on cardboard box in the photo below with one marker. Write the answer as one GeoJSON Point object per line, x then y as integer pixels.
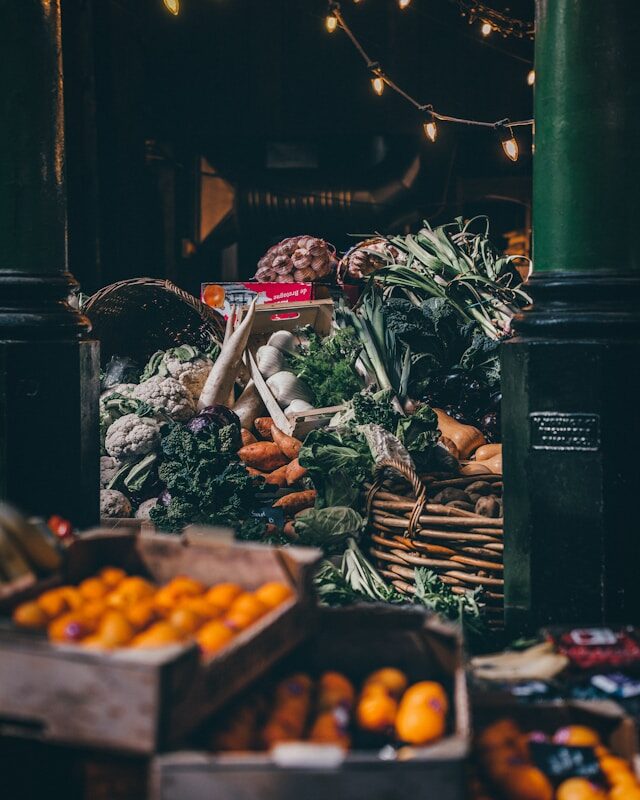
{"type": "Point", "coordinates": [223, 295]}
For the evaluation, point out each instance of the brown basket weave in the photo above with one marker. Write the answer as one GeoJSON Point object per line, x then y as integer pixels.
{"type": "Point", "coordinates": [406, 532]}
{"type": "Point", "coordinates": [139, 316]}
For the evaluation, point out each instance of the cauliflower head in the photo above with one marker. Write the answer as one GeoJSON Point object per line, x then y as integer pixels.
{"type": "Point", "coordinates": [191, 374]}
{"type": "Point", "coordinates": [114, 504]}
{"type": "Point", "coordinates": [132, 436]}
{"type": "Point", "coordinates": [144, 509]}
{"type": "Point", "coordinates": [108, 470]}
{"type": "Point", "coordinates": [168, 396]}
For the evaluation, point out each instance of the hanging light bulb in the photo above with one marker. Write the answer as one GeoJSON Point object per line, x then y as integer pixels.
{"type": "Point", "coordinates": [402, 4]}
{"type": "Point", "coordinates": [172, 6]}
{"type": "Point", "coordinates": [378, 85]}
{"type": "Point", "coordinates": [356, 2]}
{"type": "Point", "coordinates": [531, 77]}
{"type": "Point", "coordinates": [486, 29]}
{"type": "Point", "coordinates": [331, 23]}
{"type": "Point", "coordinates": [430, 130]}
{"type": "Point", "coordinates": [508, 140]}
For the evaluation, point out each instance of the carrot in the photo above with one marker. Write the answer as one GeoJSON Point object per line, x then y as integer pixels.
{"type": "Point", "coordinates": [289, 446]}
{"type": "Point", "coordinates": [295, 472]}
{"type": "Point", "coordinates": [278, 477]}
{"type": "Point", "coordinates": [263, 425]}
{"type": "Point", "coordinates": [222, 377]}
{"type": "Point", "coordinates": [296, 501]}
{"type": "Point", "coordinates": [247, 437]}
{"type": "Point", "coordinates": [265, 456]}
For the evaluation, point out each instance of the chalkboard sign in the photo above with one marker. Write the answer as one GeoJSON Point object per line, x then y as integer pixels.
{"type": "Point", "coordinates": [272, 516]}
{"type": "Point", "coordinates": [559, 762]}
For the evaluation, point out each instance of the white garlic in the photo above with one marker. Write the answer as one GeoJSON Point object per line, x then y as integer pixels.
{"type": "Point", "coordinates": [284, 341]}
{"type": "Point", "coordinates": [298, 407]}
{"type": "Point", "coordinates": [286, 388]}
{"type": "Point", "coordinates": [270, 360]}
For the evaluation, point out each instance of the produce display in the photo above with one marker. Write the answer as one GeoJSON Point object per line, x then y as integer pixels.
{"type": "Point", "coordinates": [331, 709]}
{"type": "Point", "coordinates": [570, 764]}
{"type": "Point", "coordinates": [112, 609]}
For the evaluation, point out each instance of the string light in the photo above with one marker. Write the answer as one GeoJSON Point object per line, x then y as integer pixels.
{"type": "Point", "coordinates": [430, 130]}
{"type": "Point", "coordinates": [331, 23]}
{"type": "Point", "coordinates": [381, 79]}
{"type": "Point", "coordinates": [402, 4]}
{"type": "Point", "coordinates": [172, 6]}
{"type": "Point", "coordinates": [531, 77]}
{"type": "Point", "coordinates": [486, 29]}
{"type": "Point", "coordinates": [509, 142]}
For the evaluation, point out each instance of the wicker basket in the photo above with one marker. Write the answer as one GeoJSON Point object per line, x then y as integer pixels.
{"type": "Point", "coordinates": [142, 315]}
{"type": "Point", "coordinates": [409, 531]}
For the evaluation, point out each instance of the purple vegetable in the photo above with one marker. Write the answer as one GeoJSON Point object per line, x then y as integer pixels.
{"type": "Point", "coordinates": [164, 497]}
{"type": "Point", "coordinates": [218, 416]}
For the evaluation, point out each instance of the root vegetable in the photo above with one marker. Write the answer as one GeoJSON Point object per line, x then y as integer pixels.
{"type": "Point", "coordinates": [223, 375]}
{"type": "Point", "coordinates": [451, 446]}
{"type": "Point", "coordinates": [475, 469]}
{"type": "Point", "coordinates": [487, 451]}
{"type": "Point", "coordinates": [461, 505]}
{"type": "Point", "coordinates": [249, 405]}
{"type": "Point", "coordinates": [295, 472]}
{"type": "Point", "coordinates": [288, 444]}
{"type": "Point", "coordinates": [494, 464]}
{"type": "Point", "coordinates": [296, 501]}
{"type": "Point", "coordinates": [480, 487]}
{"type": "Point", "coordinates": [278, 477]}
{"type": "Point", "coordinates": [487, 507]}
{"type": "Point", "coordinates": [290, 531]}
{"type": "Point", "coordinates": [465, 437]}
{"type": "Point", "coordinates": [263, 425]}
{"type": "Point", "coordinates": [265, 456]}
{"type": "Point", "coordinates": [247, 437]}
{"type": "Point", "coordinates": [451, 493]}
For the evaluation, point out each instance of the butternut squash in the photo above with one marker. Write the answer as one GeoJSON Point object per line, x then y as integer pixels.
{"type": "Point", "coordinates": [494, 464]}
{"type": "Point", "coordinates": [465, 437]}
{"type": "Point", "coordinates": [487, 451]}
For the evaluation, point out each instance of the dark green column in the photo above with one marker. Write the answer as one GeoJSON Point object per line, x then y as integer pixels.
{"type": "Point", "coordinates": [48, 365]}
{"type": "Point", "coordinates": [571, 421]}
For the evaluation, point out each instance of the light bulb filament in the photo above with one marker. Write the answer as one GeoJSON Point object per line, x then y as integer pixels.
{"type": "Point", "coordinates": [378, 85]}
{"type": "Point", "coordinates": [430, 130]}
{"type": "Point", "coordinates": [331, 23]}
{"type": "Point", "coordinates": [172, 6]}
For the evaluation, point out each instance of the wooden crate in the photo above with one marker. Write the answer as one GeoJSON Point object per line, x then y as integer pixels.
{"type": "Point", "coordinates": [144, 700]}
{"type": "Point", "coordinates": [355, 640]}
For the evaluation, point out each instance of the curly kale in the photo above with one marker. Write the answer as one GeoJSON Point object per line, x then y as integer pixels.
{"type": "Point", "coordinates": [207, 483]}
{"type": "Point", "coordinates": [327, 366]}
{"type": "Point", "coordinates": [375, 408]}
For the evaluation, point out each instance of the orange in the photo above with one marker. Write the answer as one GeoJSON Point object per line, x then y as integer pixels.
{"type": "Point", "coordinates": [273, 594]}
{"type": "Point", "coordinates": [93, 588]}
{"type": "Point", "coordinates": [213, 295]}
{"type": "Point", "coordinates": [72, 597]}
{"type": "Point", "coordinates": [500, 760]}
{"type": "Point", "coordinates": [625, 791]}
{"type": "Point", "coordinates": [223, 594]}
{"type": "Point", "coordinates": [427, 693]}
{"type": "Point", "coordinates": [334, 689]}
{"type": "Point", "coordinates": [129, 591]}
{"type": "Point", "coordinates": [160, 634]}
{"type": "Point", "coordinates": [213, 637]}
{"type": "Point", "coordinates": [30, 615]}
{"type": "Point", "coordinates": [498, 734]}
{"type": "Point", "coordinates": [60, 600]}
{"type": "Point", "coordinates": [141, 613]}
{"type": "Point", "coordinates": [393, 680]}
{"type": "Point", "coordinates": [296, 685]}
{"type": "Point", "coordinates": [273, 733]}
{"type": "Point", "coordinates": [183, 584]}
{"type": "Point", "coordinates": [419, 723]}
{"type": "Point", "coordinates": [112, 576]}
{"type": "Point", "coordinates": [248, 603]}
{"type": "Point", "coordinates": [185, 621]}
{"type": "Point", "coordinates": [328, 728]}
{"type": "Point", "coordinates": [526, 782]}
{"type": "Point", "coordinates": [115, 630]}
{"type": "Point", "coordinates": [579, 789]}
{"type": "Point", "coordinates": [200, 606]}
{"type": "Point", "coordinates": [612, 766]}
{"type": "Point", "coordinates": [70, 627]}
{"type": "Point", "coordinates": [93, 642]}
{"type": "Point", "coordinates": [94, 609]}
{"type": "Point", "coordinates": [577, 736]}
{"type": "Point", "coordinates": [376, 713]}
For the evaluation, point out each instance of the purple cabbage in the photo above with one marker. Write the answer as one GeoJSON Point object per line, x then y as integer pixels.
{"type": "Point", "coordinates": [218, 416]}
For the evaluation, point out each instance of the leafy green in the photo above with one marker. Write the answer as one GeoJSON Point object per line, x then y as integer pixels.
{"type": "Point", "coordinates": [326, 365]}
{"type": "Point", "coordinates": [136, 477]}
{"type": "Point", "coordinates": [205, 480]}
{"type": "Point", "coordinates": [338, 462]}
{"type": "Point", "coordinates": [328, 528]}
{"type": "Point", "coordinates": [375, 408]}
{"type": "Point", "coordinates": [419, 434]}
{"type": "Point", "coordinates": [158, 363]}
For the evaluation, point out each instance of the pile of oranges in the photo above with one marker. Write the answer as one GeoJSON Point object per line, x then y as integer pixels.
{"type": "Point", "coordinates": [113, 609]}
{"type": "Point", "coordinates": [330, 710]}
{"type": "Point", "coordinates": [504, 756]}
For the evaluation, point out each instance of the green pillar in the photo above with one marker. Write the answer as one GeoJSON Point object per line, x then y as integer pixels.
{"type": "Point", "coordinates": [48, 365]}
{"type": "Point", "coordinates": [571, 425]}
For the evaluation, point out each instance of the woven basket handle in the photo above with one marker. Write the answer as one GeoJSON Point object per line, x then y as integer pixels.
{"type": "Point", "coordinates": [409, 474]}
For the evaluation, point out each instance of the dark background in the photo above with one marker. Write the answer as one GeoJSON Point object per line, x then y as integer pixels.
{"type": "Point", "coordinates": [284, 113]}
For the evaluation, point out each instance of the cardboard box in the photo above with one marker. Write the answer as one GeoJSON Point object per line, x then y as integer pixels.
{"type": "Point", "coordinates": [355, 640]}
{"type": "Point", "coordinates": [223, 295]}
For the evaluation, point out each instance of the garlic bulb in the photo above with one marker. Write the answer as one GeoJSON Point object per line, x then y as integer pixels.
{"type": "Point", "coordinates": [284, 341]}
{"type": "Point", "coordinates": [298, 407]}
{"type": "Point", "coordinates": [270, 360]}
{"type": "Point", "coordinates": [286, 388]}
